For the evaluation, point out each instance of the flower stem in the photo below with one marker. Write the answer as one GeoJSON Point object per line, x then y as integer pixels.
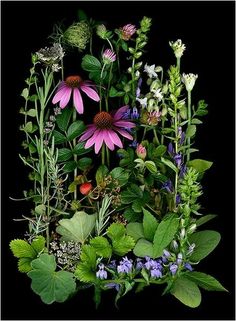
{"type": "Point", "coordinates": [108, 156]}
{"type": "Point", "coordinates": [189, 120]}
{"type": "Point", "coordinates": [178, 63]}
{"type": "Point", "coordinates": [144, 133]}
{"type": "Point", "coordinates": [75, 156]}
{"type": "Point", "coordinates": [176, 151]}
{"type": "Point", "coordinates": [155, 135]}
{"type": "Point", "coordinates": [103, 154]}
{"type": "Point", "coordinates": [163, 126]}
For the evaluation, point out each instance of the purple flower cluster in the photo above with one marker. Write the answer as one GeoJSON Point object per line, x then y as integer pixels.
{"type": "Point", "coordinates": [125, 266]}
{"type": "Point", "coordinates": [131, 113]}
{"type": "Point", "coordinates": [154, 266]}
{"type": "Point", "coordinates": [101, 273]}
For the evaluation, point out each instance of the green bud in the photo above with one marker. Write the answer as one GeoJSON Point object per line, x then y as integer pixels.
{"type": "Point", "coordinates": [129, 70]}
{"type": "Point", "coordinates": [138, 65]}
{"type": "Point", "coordinates": [142, 44]}
{"type": "Point", "coordinates": [78, 35]}
{"type": "Point", "coordinates": [145, 24]}
{"type": "Point", "coordinates": [138, 54]}
{"type": "Point", "coordinates": [101, 31]}
{"type": "Point", "coordinates": [127, 88]}
{"type": "Point", "coordinates": [34, 58]}
{"type": "Point", "coordinates": [131, 50]}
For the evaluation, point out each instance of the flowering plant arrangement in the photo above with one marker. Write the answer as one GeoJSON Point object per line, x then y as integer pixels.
{"type": "Point", "coordinates": [114, 187]}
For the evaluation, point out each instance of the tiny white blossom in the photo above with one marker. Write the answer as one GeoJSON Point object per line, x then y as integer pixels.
{"type": "Point", "coordinates": [142, 101]}
{"type": "Point", "coordinates": [189, 81]}
{"type": "Point", "coordinates": [158, 94]}
{"type": "Point", "coordinates": [150, 70]}
{"type": "Point", "coordinates": [178, 47]}
{"type": "Point", "coordinates": [56, 67]}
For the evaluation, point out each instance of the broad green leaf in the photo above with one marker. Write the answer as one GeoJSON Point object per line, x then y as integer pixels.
{"type": "Point", "coordinates": [169, 164]}
{"type": "Point", "coordinates": [135, 230]}
{"type": "Point", "coordinates": [88, 255]}
{"type": "Point", "coordinates": [123, 245]}
{"type": "Point", "coordinates": [77, 228]}
{"type": "Point", "coordinates": [38, 243]}
{"type": "Point", "coordinates": [101, 173]}
{"type": "Point", "coordinates": [63, 119]}
{"type": "Point", "coordinates": [132, 216]}
{"type": "Point", "coordinates": [165, 233]}
{"type": "Point", "coordinates": [84, 273]}
{"type": "Point", "coordinates": [204, 219]}
{"type": "Point", "coordinates": [31, 113]}
{"type": "Point", "coordinates": [69, 166]}
{"type": "Point", "coordinates": [205, 281]}
{"type": "Point", "coordinates": [25, 93]}
{"type": "Point", "coordinates": [186, 292]}
{"type": "Point", "coordinates": [191, 131]}
{"type": "Point", "coordinates": [75, 129]}
{"type": "Point", "coordinates": [160, 150]}
{"type": "Point", "coordinates": [130, 194]}
{"type": "Point", "coordinates": [22, 249]}
{"type": "Point", "coordinates": [58, 137]}
{"type": "Point", "coordinates": [64, 154]}
{"type": "Point", "coordinates": [50, 285]}
{"type": "Point", "coordinates": [120, 174]}
{"type": "Point", "coordinates": [80, 150]}
{"type": "Point", "coordinates": [151, 166]}
{"type": "Point", "coordinates": [149, 225]}
{"type": "Point", "coordinates": [116, 231]}
{"type": "Point", "coordinates": [143, 248]}
{"type": "Point", "coordinates": [102, 246]}
{"type": "Point", "coordinates": [205, 242]}
{"type": "Point", "coordinates": [138, 205]}
{"type": "Point", "coordinates": [200, 165]}
{"type": "Point", "coordinates": [84, 163]}
{"type": "Point", "coordinates": [196, 121]}
{"type": "Point", "coordinates": [90, 63]}
{"type": "Point", "coordinates": [40, 209]}
{"type": "Point", "coordinates": [115, 93]}
{"type": "Point", "coordinates": [28, 127]}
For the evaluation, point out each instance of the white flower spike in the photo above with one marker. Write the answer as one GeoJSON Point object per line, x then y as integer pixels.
{"type": "Point", "coordinates": [189, 81]}
{"type": "Point", "coordinates": [150, 70]}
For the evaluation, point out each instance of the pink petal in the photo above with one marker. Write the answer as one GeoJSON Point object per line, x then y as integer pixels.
{"type": "Point", "coordinates": [124, 124]}
{"type": "Point", "coordinates": [108, 141]}
{"type": "Point", "coordinates": [92, 140]}
{"type": "Point", "coordinates": [91, 93]}
{"type": "Point", "coordinates": [60, 93]}
{"type": "Point", "coordinates": [124, 133]}
{"type": "Point", "coordinates": [115, 138]}
{"type": "Point", "coordinates": [120, 112]}
{"type": "Point", "coordinates": [66, 97]}
{"type": "Point", "coordinates": [88, 133]}
{"type": "Point", "coordinates": [99, 141]}
{"type": "Point", "coordinates": [78, 101]}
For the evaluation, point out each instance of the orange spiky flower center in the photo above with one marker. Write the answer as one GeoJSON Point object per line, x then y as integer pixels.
{"type": "Point", "coordinates": [103, 120]}
{"type": "Point", "coordinates": [73, 81]}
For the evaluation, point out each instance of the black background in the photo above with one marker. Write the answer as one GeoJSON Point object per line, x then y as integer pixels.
{"type": "Point", "coordinates": [207, 29]}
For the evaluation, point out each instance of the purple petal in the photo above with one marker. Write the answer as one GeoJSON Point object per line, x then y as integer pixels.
{"type": "Point", "coordinates": [120, 112]}
{"type": "Point", "coordinates": [92, 140]}
{"type": "Point", "coordinates": [115, 138]}
{"type": "Point", "coordinates": [88, 133]}
{"type": "Point", "coordinates": [99, 141]}
{"type": "Point", "coordinates": [65, 99]}
{"type": "Point", "coordinates": [108, 141]}
{"type": "Point", "coordinates": [60, 93]}
{"type": "Point", "coordinates": [124, 124]}
{"type": "Point", "coordinates": [91, 93]}
{"type": "Point", "coordinates": [78, 101]}
{"type": "Point", "coordinates": [124, 133]}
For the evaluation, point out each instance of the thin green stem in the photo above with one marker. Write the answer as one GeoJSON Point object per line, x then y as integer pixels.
{"type": "Point", "coordinates": [155, 135]}
{"type": "Point", "coordinates": [91, 45]}
{"type": "Point", "coordinates": [162, 126]}
{"type": "Point", "coordinates": [189, 121]}
{"type": "Point", "coordinates": [176, 151]}
{"type": "Point", "coordinates": [178, 63]}
{"type": "Point", "coordinates": [62, 69]}
{"type": "Point", "coordinates": [144, 132]}
{"type": "Point", "coordinates": [103, 154]}
{"type": "Point", "coordinates": [108, 156]}
{"type": "Point", "coordinates": [100, 89]}
{"type": "Point", "coordinates": [75, 156]}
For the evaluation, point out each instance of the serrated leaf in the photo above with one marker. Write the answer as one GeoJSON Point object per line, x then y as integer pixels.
{"type": "Point", "coordinates": [75, 129]}
{"type": "Point", "coordinates": [135, 230]}
{"type": "Point", "coordinates": [88, 255]}
{"type": "Point", "coordinates": [80, 150]}
{"type": "Point", "coordinates": [191, 131]}
{"type": "Point", "coordinates": [116, 231]}
{"type": "Point", "coordinates": [84, 273]}
{"type": "Point", "coordinates": [205, 242]}
{"type": "Point", "coordinates": [120, 174]}
{"type": "Point", "coordinates": [205, 281]}
{"type": "Point", "coordinates": [50, 285]}
{"type": "Point", "coordinates": [164, 234]}
{"type": "Point", "coordinates": [149, 225]}
{"type": "Point", "coordinates": [102, 246]}
{"type": "Point", "coordinates": [77, 228]}
{"type": "Point", "coordinates": [204, 219]}
{"type": "Point", "coordinates": [123, 245]}
{"type": "Point", "coordinates": [132, 216]}
{"type": "Point", "coordinates": [101, 173]}
{"type": "Point", "coordinates": [64, 154]}
{"type": "Point", "coordinates": [169, 164]}
{"type": "Point", "coordinates": [38, 243]}
{"type": "Point", "coordinates": [63, 119]}
{"type": "Point", "coordinates": [24, 264]}
{"type": "Point", "coordinates": [22, 249]}
{"type": "Point", "coordinates": [143, 248]}
{"type": "Point", "coordinates": [84, 163]}
{"type": "Point", "coordinates": [200, 165]}
{"type": "Point", "coordinates": [186, 292]}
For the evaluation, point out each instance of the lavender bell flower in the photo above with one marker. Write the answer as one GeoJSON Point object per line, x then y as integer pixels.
{"type": "Point", "coordinates": [165, 256]}
{"type": "Point", "coordinates": [127, 114]}
{"type": "Point", "coordinates": [171, 150]}
{"type": "Point", "coordinates": [156, 273]}
{"type": "Point", "coordinates": [178, 199]}
{"type": "Point", "coordinates": [134, 144]}
{"type": "Point", "coordinates": [188, 266]}
{"type": "Point", "coordinates": [138, 91]}
{"type": "Point", "coordinates": [112, 264]}
{"type": "Point", "coordinates": [179, 258]}
{"type": "Point", "coordinates": [183, 170]}
{"type": "Point", "coordinates": [101, 273]}
{"type": "Point", "coordinates": [113, 286]}
{"type": "Point", "coordinates": [134, 114]}
{"type": "Point", "coordinates": [173, 268]}
{"type": "Point", "coordinates": [168, 186]}
{"type": "Point", "coordinates": [125, 266]}
{"type": "Point", "coordinates": [178, 159]}
{"type": "Point", "coordinates": [139, 264]}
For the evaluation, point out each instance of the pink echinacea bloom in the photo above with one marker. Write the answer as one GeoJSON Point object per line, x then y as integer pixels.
{"type": "Point", "coordinates": [105, 128]}
{"type": "Point", "coordinates": [74, 84]}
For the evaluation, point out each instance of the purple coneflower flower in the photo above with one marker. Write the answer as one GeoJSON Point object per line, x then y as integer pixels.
{"type": "Point", "coordinates": [101, 273]}
{"type": "Point", "coordinates": [127, 31]}
{"type": "Point", "coordinates": [74, 84]}
{"type": "Point", "coordinates": [104, 128]}
{"type": "Point", "coordinates": [125, 266]}
{"type": "Point", "coordinates": [108, 56]}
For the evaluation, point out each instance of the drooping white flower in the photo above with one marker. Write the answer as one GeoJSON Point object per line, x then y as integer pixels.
{"type": "Point", "coordinates": [150, 70]}
{"type": "Point", "coordinates": [189, 81]}
{"type": "Point", "coordinates": [178, 47]}
{"type": "Point", "coordinates": [158, 94]}
{"type": "Point", "coordinates": [142, 101]}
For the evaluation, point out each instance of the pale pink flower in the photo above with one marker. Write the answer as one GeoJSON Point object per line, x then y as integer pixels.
{"type": "Point", "coordinates": [127, 31]}
{"type": "Point", "coordinates": [74, 84]}
{"type": "Point", "coordinates": [105, 128]}
{"type": "Point", "coordinates": [141, 151]}
{"type": "Point", "coordinates": [108, 56]}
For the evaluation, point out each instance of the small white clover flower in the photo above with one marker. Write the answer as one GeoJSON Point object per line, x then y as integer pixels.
{"type": "Point", "coordinates": [158, 94]}
{"type": "Point", "coordinates": [56, 67]}
{"type": "Point", "coordinates": [142, 101]}
{"type": "Point", "coordinates": [178, 47]}
{"type": "Point", "coordinates": [189, 81]}
{"type": "Point", "coordinates": [150, 70]}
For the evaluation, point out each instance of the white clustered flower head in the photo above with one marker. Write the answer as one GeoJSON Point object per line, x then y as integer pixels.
{"type": "Point", "coordinates": [189, 81]}
{"type": "Point", "coordinates": [150, 70]}
{"type": "Point", "coordinates": [158, 94]}
{"type": "Point", "coordinates": [178, 47]}
{"type": "Point", "coordinates": [142, 101]}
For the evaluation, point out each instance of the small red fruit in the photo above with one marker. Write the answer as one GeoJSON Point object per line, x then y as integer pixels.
{"type": "Point", "coordinates": [85, 188]}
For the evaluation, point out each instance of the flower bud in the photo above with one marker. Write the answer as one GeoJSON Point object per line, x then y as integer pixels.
{"type": "Point", "coordinates": [141, 151]}
{"type": "Point", "coordinates": [182, 233]}
{"type": "Point", "coordinates": [189, 81]}
{"type": "Point", "coordinates": [192, 228]}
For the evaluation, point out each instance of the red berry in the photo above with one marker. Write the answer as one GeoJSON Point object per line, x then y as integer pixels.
{"type": "Point", "coordinates": [85, 188]}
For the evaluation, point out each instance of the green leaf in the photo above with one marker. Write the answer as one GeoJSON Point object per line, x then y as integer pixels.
{"type": "Point", "coordinates": [126, 99]}
{"type": "Point", "coordinates": [28, 127]}
{"type": "Point", "coordinates": [31, 113]}
{"type": "Point", "coordinates": [165, 233]}
{"type": "Point", "coordinates": [25, 93]}
{"type": "Point", "coordinates": [123, 245]}
{"type": "Point", "coordinates": [124, 45]}
{"type": "Point", "coordinates": [204, 219]}
{"type": "Point", "coordinates": [132, 216]}
{"type": "Point", "coordinates": [114, 93]}
{"type": "Point", "coordinates": [77, 228]}
{"type": "Point", "coordinates": [200, 165]}
{"type": "Point", "coordinates": [22, 249]}
{"type": "Point", "coordinates": [135, 230]}
{"type": "Point", "coordinates": [88, 255]}
{"type": "Point", "coordinates": [143, 248]}
{"type": "Point", "coordinates": [64, 154]}
{"type": "Point", "coordinates": [186, 292]}
{"type": "Point", "coordinates": [102, 246]}
{"type": "Point", "coordinates": [90, 63]}
{"type": "Point", "coordinates": [38, 244]}
{"type": "Point", "coordinates": [80, 150]}
{"type": "Point", "coordinates": [130, 194]}
{"type": "Point", "coordinates": [121, 175]}
{"type": "Point", "coordinates": [191, 130]}
{"type": "Point", "coordinates": [116, 231]}
{"type": "Point", "coordinates": [84, 273]}
{"type": "Point", "coordinates": [169, 164]}
{"type": "Point", "coordinates": [149, 225]}
{"type": "Point", "coordinates": [58, 137]}
{"type": "Point", "coordinates": [24, 264]}
{"type": "Point", "coordinates": [196, 121]}
{"type": "Point", "coordinates": [63, 119]}
{"type": "Point", "coordinates": [160, 150]}
{"type": "Point", "coordinates": [50, 285]}
{"type": "Point", "coordinates": [205, 281]}
{"type": "Point", "coordinates": [151, 166]}
{"type": "Point", "coordinates": [82, 15]}
{"type": "Point", "coordinates": [84, 163]}
{"type": "Point", "coordinates": [101, 173]}
{"type": "Point", "coordinates": [75, 129]}
{"type": "Point", "coordinates": [69, 166]}
{"type": "Point", "coordinates": [205, 243]}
